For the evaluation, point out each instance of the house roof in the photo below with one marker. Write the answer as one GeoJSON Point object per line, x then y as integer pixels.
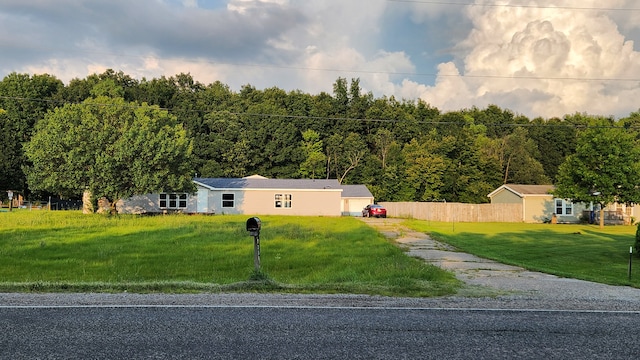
{"type": "Point", "coordinates": [356, 191]}
{"type": "Point", "coordinates": [525, 190]}
{"type": "Point", "coordinates": [264, 183]}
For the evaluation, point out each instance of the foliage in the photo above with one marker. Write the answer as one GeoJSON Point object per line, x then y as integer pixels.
{"type": "Point", "coordinates": [112, 148]}
{"type": "Point", "coordinates": [314, 165]}
{"type": "Point", "coordinates": [24, 100]}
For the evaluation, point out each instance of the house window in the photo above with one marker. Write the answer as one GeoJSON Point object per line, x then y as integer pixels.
{"type": "Point", "coordinates": [173, 201]}
{"type": "Point", "coordinates": [283, 200]}
{"type": "Point", "coordinates": [228, 200]}
{"type": "Point", "coordinates": [563, 207]}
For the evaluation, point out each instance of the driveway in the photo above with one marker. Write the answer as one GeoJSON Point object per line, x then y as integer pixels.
{"type": "Point", "coordinates": [487, 278]}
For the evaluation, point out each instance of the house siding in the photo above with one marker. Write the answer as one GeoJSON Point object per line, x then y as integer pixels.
{"type": "Point", "coordinates": [150, 203]}
{"type": "Point", "coordinates": [506, 197]}
{"type": "Point", "coordinates": [262, 202]}
{"type": "Point", "coordinates": [536, 208]}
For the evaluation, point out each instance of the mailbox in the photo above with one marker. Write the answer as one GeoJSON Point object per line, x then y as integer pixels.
{"type": "Point", "coordinates": [253, 226]}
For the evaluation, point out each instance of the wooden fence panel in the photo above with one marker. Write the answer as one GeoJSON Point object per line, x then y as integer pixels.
{"type": "Point", "coordinates": [455, 212]}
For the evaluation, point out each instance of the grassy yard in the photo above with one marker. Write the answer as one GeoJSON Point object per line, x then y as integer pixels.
{"type": "Point", "coordinates": [68, 251]}
{"type": "Point", "coordinates": [576, 251]}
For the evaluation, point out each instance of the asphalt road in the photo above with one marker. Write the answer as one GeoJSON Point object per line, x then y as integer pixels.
{"type": "Point", "coordinates": [228, 332]}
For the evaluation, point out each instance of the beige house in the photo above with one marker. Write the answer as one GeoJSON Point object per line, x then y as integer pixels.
{"type": "Point", "coordinates": [538, 204]}
{"type": "Point", "coordinates": [256, 195]}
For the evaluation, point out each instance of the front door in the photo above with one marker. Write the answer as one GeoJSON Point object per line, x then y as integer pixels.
{"type": "Point", "coordinates": [203, 201]}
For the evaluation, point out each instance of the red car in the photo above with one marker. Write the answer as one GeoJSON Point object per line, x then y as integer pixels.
{"type": "Point", "coordinates": [374, 210]}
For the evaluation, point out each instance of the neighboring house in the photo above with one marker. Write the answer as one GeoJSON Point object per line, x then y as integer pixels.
{"type": "Point", "coordinates": [538, 204]}
{"type": "Point", "coordinates": [354, 199]}
{"type": "Point", "coordinates": [254, 195]}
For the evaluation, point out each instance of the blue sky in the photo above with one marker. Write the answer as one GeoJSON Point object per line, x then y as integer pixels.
{"type": "Point", "coordinates": [534, 57]}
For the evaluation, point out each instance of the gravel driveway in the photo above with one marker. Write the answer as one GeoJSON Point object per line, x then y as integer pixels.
{"type": "Point", "coordinates": [489, 279]}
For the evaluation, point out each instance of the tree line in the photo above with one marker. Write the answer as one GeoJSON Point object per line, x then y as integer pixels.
{"type": "Point", "coordinates": [403, 150]}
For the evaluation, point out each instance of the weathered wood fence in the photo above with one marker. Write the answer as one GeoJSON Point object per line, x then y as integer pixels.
{"type": "Point", "coordinates": [455, 212]}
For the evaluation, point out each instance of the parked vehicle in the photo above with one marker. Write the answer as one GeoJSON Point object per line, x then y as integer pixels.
{"type": "Point", "coordinates": [374, 210]}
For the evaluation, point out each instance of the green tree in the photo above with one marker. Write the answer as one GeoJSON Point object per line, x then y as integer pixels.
{"type": "Point", "coordinates": [424, 171]}
{"type": "Point", "coordinates": [383, 141]}
{"type": "Point", "coordinates": [344, 154]}
{"type": "Point", "coordinates": [24, 100]}
{"type": "Point", "coordinates": [604, 169]}
{"type": "Point", "coordinates": [555, 139]}
{"type": "Point", "coordinates": [315, 159]}
{"type": "Point", "coordinates": [111, 148]}
{"type": "Point", "coordinates": [516, 153]}
{"type": "Point", "coordinates": [11, 176]}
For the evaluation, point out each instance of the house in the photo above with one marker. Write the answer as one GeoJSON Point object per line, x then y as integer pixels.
{"type": "Point", "coordinates": [256, 195]}
{"type": "Point", "coordinates": [539, 205]}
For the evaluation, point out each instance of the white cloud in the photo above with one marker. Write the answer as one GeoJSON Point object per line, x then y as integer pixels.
{"type": "Point", "coordinates": [565, 50]}
{"type": "Point", "coordinates": [242, 6]}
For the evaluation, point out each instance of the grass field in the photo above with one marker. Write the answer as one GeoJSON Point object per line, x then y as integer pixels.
{"type": "Point", "coordinates": [69, 251]}
{"type": "Point", "coordinates": [576, 251]}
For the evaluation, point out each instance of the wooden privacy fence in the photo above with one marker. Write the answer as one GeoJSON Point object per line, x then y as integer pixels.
{"type": "Point", "coordinates": [455, 212]}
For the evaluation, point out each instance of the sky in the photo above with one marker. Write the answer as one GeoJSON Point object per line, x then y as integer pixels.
{"type": "Point", "coordinates": [538, 58]}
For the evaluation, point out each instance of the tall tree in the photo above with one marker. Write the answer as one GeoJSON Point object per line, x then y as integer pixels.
{"type": "Point", "coordinates": [24, 100]}
{"type": "Point", "coordinates": [424, 170]}
{"type": "Point", "coordinates": [313, 165]}
{"type": "Point", "coordinates": [604, 169]}
{"type": "Point", "coordinates": [11, 159]}
{"type": "Point", "coordinates": [383, 140]}
{"type": "Point", "coordinates": [516, 154]}
{"type": "Point", "coordinates": [110, 147]}
{"type": "Point", "coordinates": [344, 154]}
{"type": "Point", "coordinates": [555, 139]}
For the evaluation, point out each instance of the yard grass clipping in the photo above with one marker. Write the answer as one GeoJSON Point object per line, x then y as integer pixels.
{"type": "Point", "coordinates": [68, 251]}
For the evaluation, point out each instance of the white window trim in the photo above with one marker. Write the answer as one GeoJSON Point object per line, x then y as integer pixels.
{"type": "Point", "coordinates": [222, 201]}
{"type": "Point", "coordinates": [566, 204]}
{"type": "Point", "coordinates": [282, 200]}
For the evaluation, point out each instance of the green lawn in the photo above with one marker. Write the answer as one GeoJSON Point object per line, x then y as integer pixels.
{"type": "Point", "coordinates": [69, 251]}
{"type": "Point", "coordinates": [576, 251]}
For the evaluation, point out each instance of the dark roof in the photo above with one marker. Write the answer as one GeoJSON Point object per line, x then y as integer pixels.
{"type": "Point", "coordinates": [524, 190]}
{"type": "Point", "coordinates": [252, 183]}
{"type": "Point", "coordinates": [356, 191]}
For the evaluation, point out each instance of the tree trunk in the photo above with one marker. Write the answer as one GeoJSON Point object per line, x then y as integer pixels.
{"type": "Point", "coordinates": [601, 217]}
{"type": "Point", "coordinates": [87, 203]}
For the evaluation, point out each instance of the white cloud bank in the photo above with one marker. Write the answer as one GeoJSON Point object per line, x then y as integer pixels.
{"type": "Point", "coordinates": [578, 59]}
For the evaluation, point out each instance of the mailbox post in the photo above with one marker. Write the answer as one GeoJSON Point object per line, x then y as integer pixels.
{"type": "Point", "coordinates": [253, 227]}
